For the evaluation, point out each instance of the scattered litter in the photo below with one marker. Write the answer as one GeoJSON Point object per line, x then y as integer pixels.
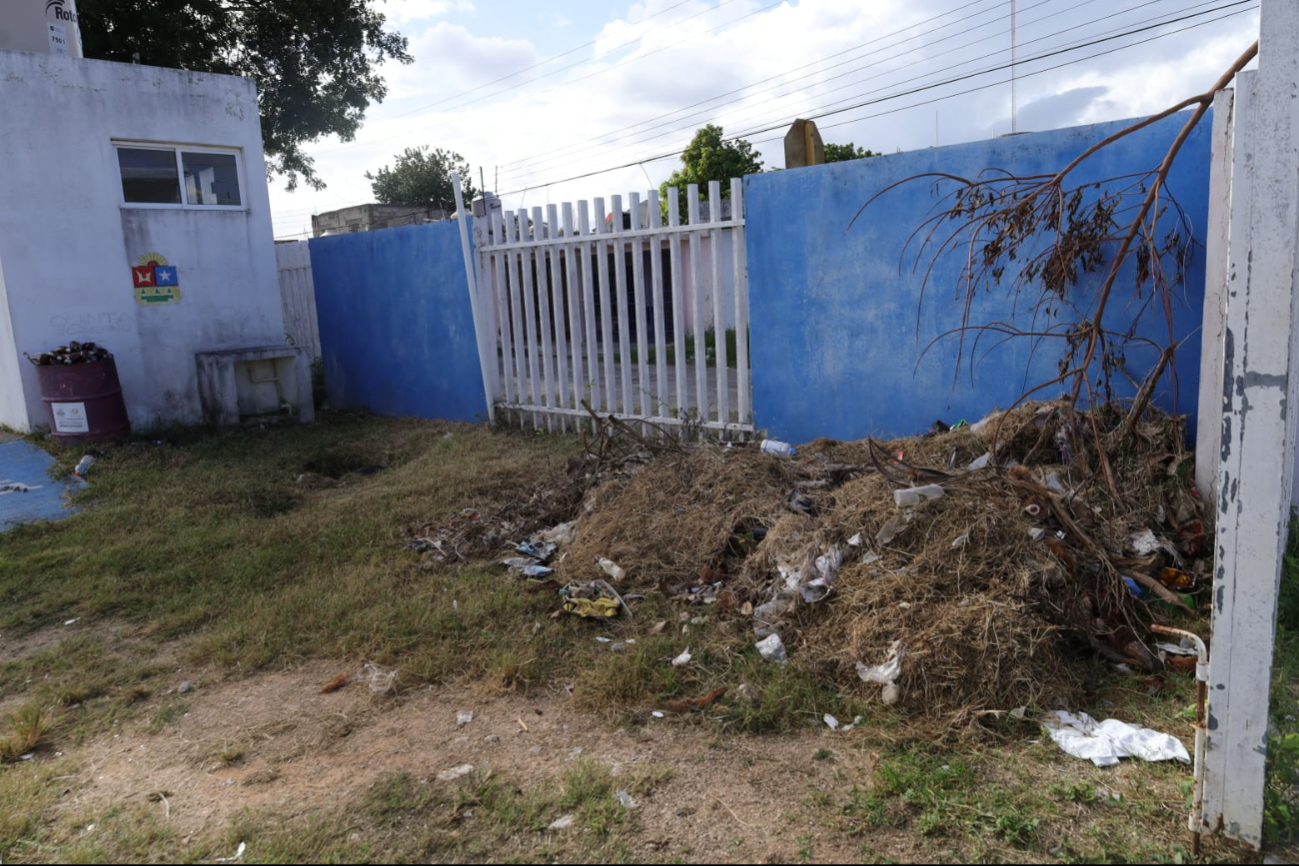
{"type": "Point", "coordinates": [84, 466]}
{"type": "Point", "coordinates": [239, 853]}
{"type": "Point", "coordinates": [855, 541]}
{"type": "Point", "coordinates": [560, 535]}
{"type": "Point", "coordinates": [910, 496]}
{"type": "Point", "coordinates": [1037, 533]}
{"type": "Point", "coordinates": [961, 540]}
{"type": "Point", "coordinates": [1019, 713]}
{"type": "Point", "coordinates": [888, 531]}
{"type": "Point", "coordinates": [1053, 483]}
{"type": "Point", "coordinates": [72, 621]}
{"type": "Point", "coordinates": [522, 725]}
{"type": "Point", "coordinates": [541, 551]}
{"type": "Point", "coordinates": [604, 640]}
{"type": "Point", "coordinates": [1175, 650]}
{"type": "Point", "coordinates": [855, 722]}
{"type": "Point", "coordinates": [658, 627]}
{"type": "Point", "coordinates": [801, 503]}
{"type": "Point", "coordinates": [16, 487]}
{"type": "Point", "coordinates": [563, 823]}
{"type": "Point", "coordinates": [830, 722]}
{"type": "Point", "coordinates": [613, 569]}
{"type": "Point", "coordinates": [778, 448]}
{"type": "Point", "coordinates": [186, 688]}
{"type": "Point", "coordinates": [1176, 579]}
{"type": "Point", "coordinates": [464, 717]}
{"type": "Point", "coordinates": [871, 558]}
{"type": "Point", "coordinates": [656, 714]}
{"type": "Point", "coordinates": [536, 571]}
{"type": "Point", "coordinates": [772, 648]}
{"type": "Point", "coordinates": [1106, 742]}
{"type": "Point", "coordinates": [592, 600]}
{"type": "Point", "coordinates": [981, 462]}
{"type": "Point", "coordinates": [518, 563]}
{"type": "Point", "coordinates": [380, 681]}
{"type": "Point", "coordinates": [625, 800]}
{"type": "Point", "coordinates": [886, 674]}
{"type": "Point", "coordinates": [682, 660]}
{"type": "Point", "coordinates": [27, 757]}
{"type": "Point", "coordinates": [1143, 543]}
{"type": "Point", "coordinates": [455, 773]}
{"type": "Point", "coordinates": [1134, 587]}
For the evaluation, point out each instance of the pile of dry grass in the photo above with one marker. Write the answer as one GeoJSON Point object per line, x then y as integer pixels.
{"type": "Point", "coordinates": [989, 618]}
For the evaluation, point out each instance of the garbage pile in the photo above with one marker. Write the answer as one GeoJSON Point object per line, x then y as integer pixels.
{"type": "Point", "coordinates": [977, 568]}
{"type": "Point", "coordinates": [73, 353]}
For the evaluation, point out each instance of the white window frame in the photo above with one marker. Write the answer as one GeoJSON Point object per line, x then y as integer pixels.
{"type": "Point", "coordinates": [177, 150]}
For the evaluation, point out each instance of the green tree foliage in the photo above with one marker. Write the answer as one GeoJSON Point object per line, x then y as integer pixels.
{"type": "Point", "coordinates": [845, 152]}
{"type": "Point", "coordinates": [315, 61]}
{"type": "Point", "coordinates": [422, 177]}
{"type": "Point", "coordinates": [708, 157]}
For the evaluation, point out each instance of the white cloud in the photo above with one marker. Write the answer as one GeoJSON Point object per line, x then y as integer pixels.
{"type": "Point", "coordinates": [403, 12]}
{"type": "Point", "coordinates": [571, 123]}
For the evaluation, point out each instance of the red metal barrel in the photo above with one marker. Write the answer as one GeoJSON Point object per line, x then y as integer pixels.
{"type": "Point", "coordinates": [84, 401]}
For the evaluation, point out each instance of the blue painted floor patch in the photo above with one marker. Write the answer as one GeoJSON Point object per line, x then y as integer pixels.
{"type": "Point", "coordinates": [27, 492]}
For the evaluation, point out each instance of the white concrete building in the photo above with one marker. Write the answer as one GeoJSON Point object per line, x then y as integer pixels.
{"type": "Point", "coordinates": [134, 213]}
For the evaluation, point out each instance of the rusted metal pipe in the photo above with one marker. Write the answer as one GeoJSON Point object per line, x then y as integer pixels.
{"type": "Point", "coordinates": [1201, 731]}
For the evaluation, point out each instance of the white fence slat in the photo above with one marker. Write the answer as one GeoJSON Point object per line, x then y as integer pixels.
{"type": "Point", "coordinates": [745, 395]}
{"type": "Point", "coordinates": [501, 285]}
{"type": "Point", "coordinates": [678, 302]}
{"type": "Point", "coordinates": [298, 296]}
{"type": "Point", "coordinates": [606, 314]}
{"type": "Point", "coordinates": [658, 295]}
{"type": "Point", "coordinates": [531, 351]}
{"type": "Point", "coordinates": [547, 365]}
{"type": "Point", "coordinates": [585, 251]}
{"type": "Point", "coordinates": [620, 288]}
{"type": "Point", "coordinates": [697, 301]}
{"type": "Point", "coordinates": [719, 305]}
{"type": "Point", "coordinates": [571, 251]}
{"type": "Point", "coordinates": [638, 314]}
{"type": "Point", "coordinates": [557, 313]}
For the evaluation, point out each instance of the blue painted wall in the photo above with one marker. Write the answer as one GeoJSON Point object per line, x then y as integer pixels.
{"type": "Point", "coordinates": [396, 329]}
{"type": "Point", "coordinates": [836, 343]}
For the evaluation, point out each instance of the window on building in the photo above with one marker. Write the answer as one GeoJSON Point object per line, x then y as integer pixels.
{"type": "Point", "coordinates": [178, 176]}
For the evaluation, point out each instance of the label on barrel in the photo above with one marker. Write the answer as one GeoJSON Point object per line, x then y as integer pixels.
{"type": "Point", "coordinates": [70, 418]}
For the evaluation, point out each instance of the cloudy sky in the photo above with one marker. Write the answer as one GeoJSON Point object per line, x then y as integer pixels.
{"type": "Point", "coordinates": [554, 100]}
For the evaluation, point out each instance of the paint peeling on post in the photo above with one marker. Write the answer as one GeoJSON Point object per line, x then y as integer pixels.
{"type": "Point", "coordinates": [1254, 478]}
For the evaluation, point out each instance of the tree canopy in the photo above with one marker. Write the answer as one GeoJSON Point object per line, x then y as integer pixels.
{"type": "Point", "coordinates": [422, 177]}
{"type": "Point", "coordinates": [709, 157]}
{"type": "Point", "coordinates": [845, 152]}
{"type": "Point", "coordinates": [315, 61]}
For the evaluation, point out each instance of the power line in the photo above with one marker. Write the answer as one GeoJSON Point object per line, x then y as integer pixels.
{"type": "Point", "coordinates": [801, 67]}
{"type": "Point", "coordinates": [951, 68]}
{"type": "Point", "coordinates": [538, 161]}
{"type": "Point", "coordinates": [674, 154]}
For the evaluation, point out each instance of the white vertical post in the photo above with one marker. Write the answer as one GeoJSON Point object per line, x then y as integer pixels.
{"type": "Point", "coordinates": [571, 252]}
{"type": "Point", "coordinates": [513, 269]}
{"type": "Point", "coordinates": [533, 350]}
{"type": "Point", "coordinates": [620, 290]}
{"type": "Point", "coordinates": [538, 255]}
{"type": "Point", "coordinates": [745, 392]}
{"type": "Point", "coordinates": [1258, 427]}
{"type": "Point", "coordinates": [697, 301]}
{"type": "Point", "coordinates": [638, 314]}
{"type": "Point", "coordinates": [606, 316]}
{"type": "Point", "coordinates": [678, 302]}
{"type": "Point", "coordinates": [557, 308]}
{"type": "Point", "coordinates": [1208, 431]}
{"type": "Point", "coordinates": [588, 304]}
{"type": "Point", "coordinates": [489, 370]}
{"type": "Point", "coordinates": [657, 298]}
{"type": "Point", "coordinates": [501, 267]}
{"type": "Point", "coordinates": [719, 308]}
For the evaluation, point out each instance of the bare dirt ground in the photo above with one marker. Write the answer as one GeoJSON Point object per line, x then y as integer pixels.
{"type": "Point", "coordinates": [273, 743]}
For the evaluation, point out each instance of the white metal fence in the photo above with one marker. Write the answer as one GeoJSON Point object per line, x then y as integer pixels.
{"type": "Point", "coordinates": [298, 296]}
{"type": "Point", "coordinates": [640, 319]}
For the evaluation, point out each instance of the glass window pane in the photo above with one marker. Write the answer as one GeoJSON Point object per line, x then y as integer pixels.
{"type": "Point", "coordinates": [211, 178]}
{"type": "Point", "coordinates": [149, 176]}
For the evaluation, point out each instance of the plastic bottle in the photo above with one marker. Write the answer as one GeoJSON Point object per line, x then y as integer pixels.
{"type": "Point", "coordinates": [780, 449]}
{"type": "Point", "coordinates": [84, 465]}
{"type": "Point", "coordinates": [909, 496]}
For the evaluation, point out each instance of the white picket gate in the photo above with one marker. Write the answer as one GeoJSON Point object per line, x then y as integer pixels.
{"type": "Point", "coordinates": [617, 313]}
{"type": "Point", "coordinates": [298, 296]}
